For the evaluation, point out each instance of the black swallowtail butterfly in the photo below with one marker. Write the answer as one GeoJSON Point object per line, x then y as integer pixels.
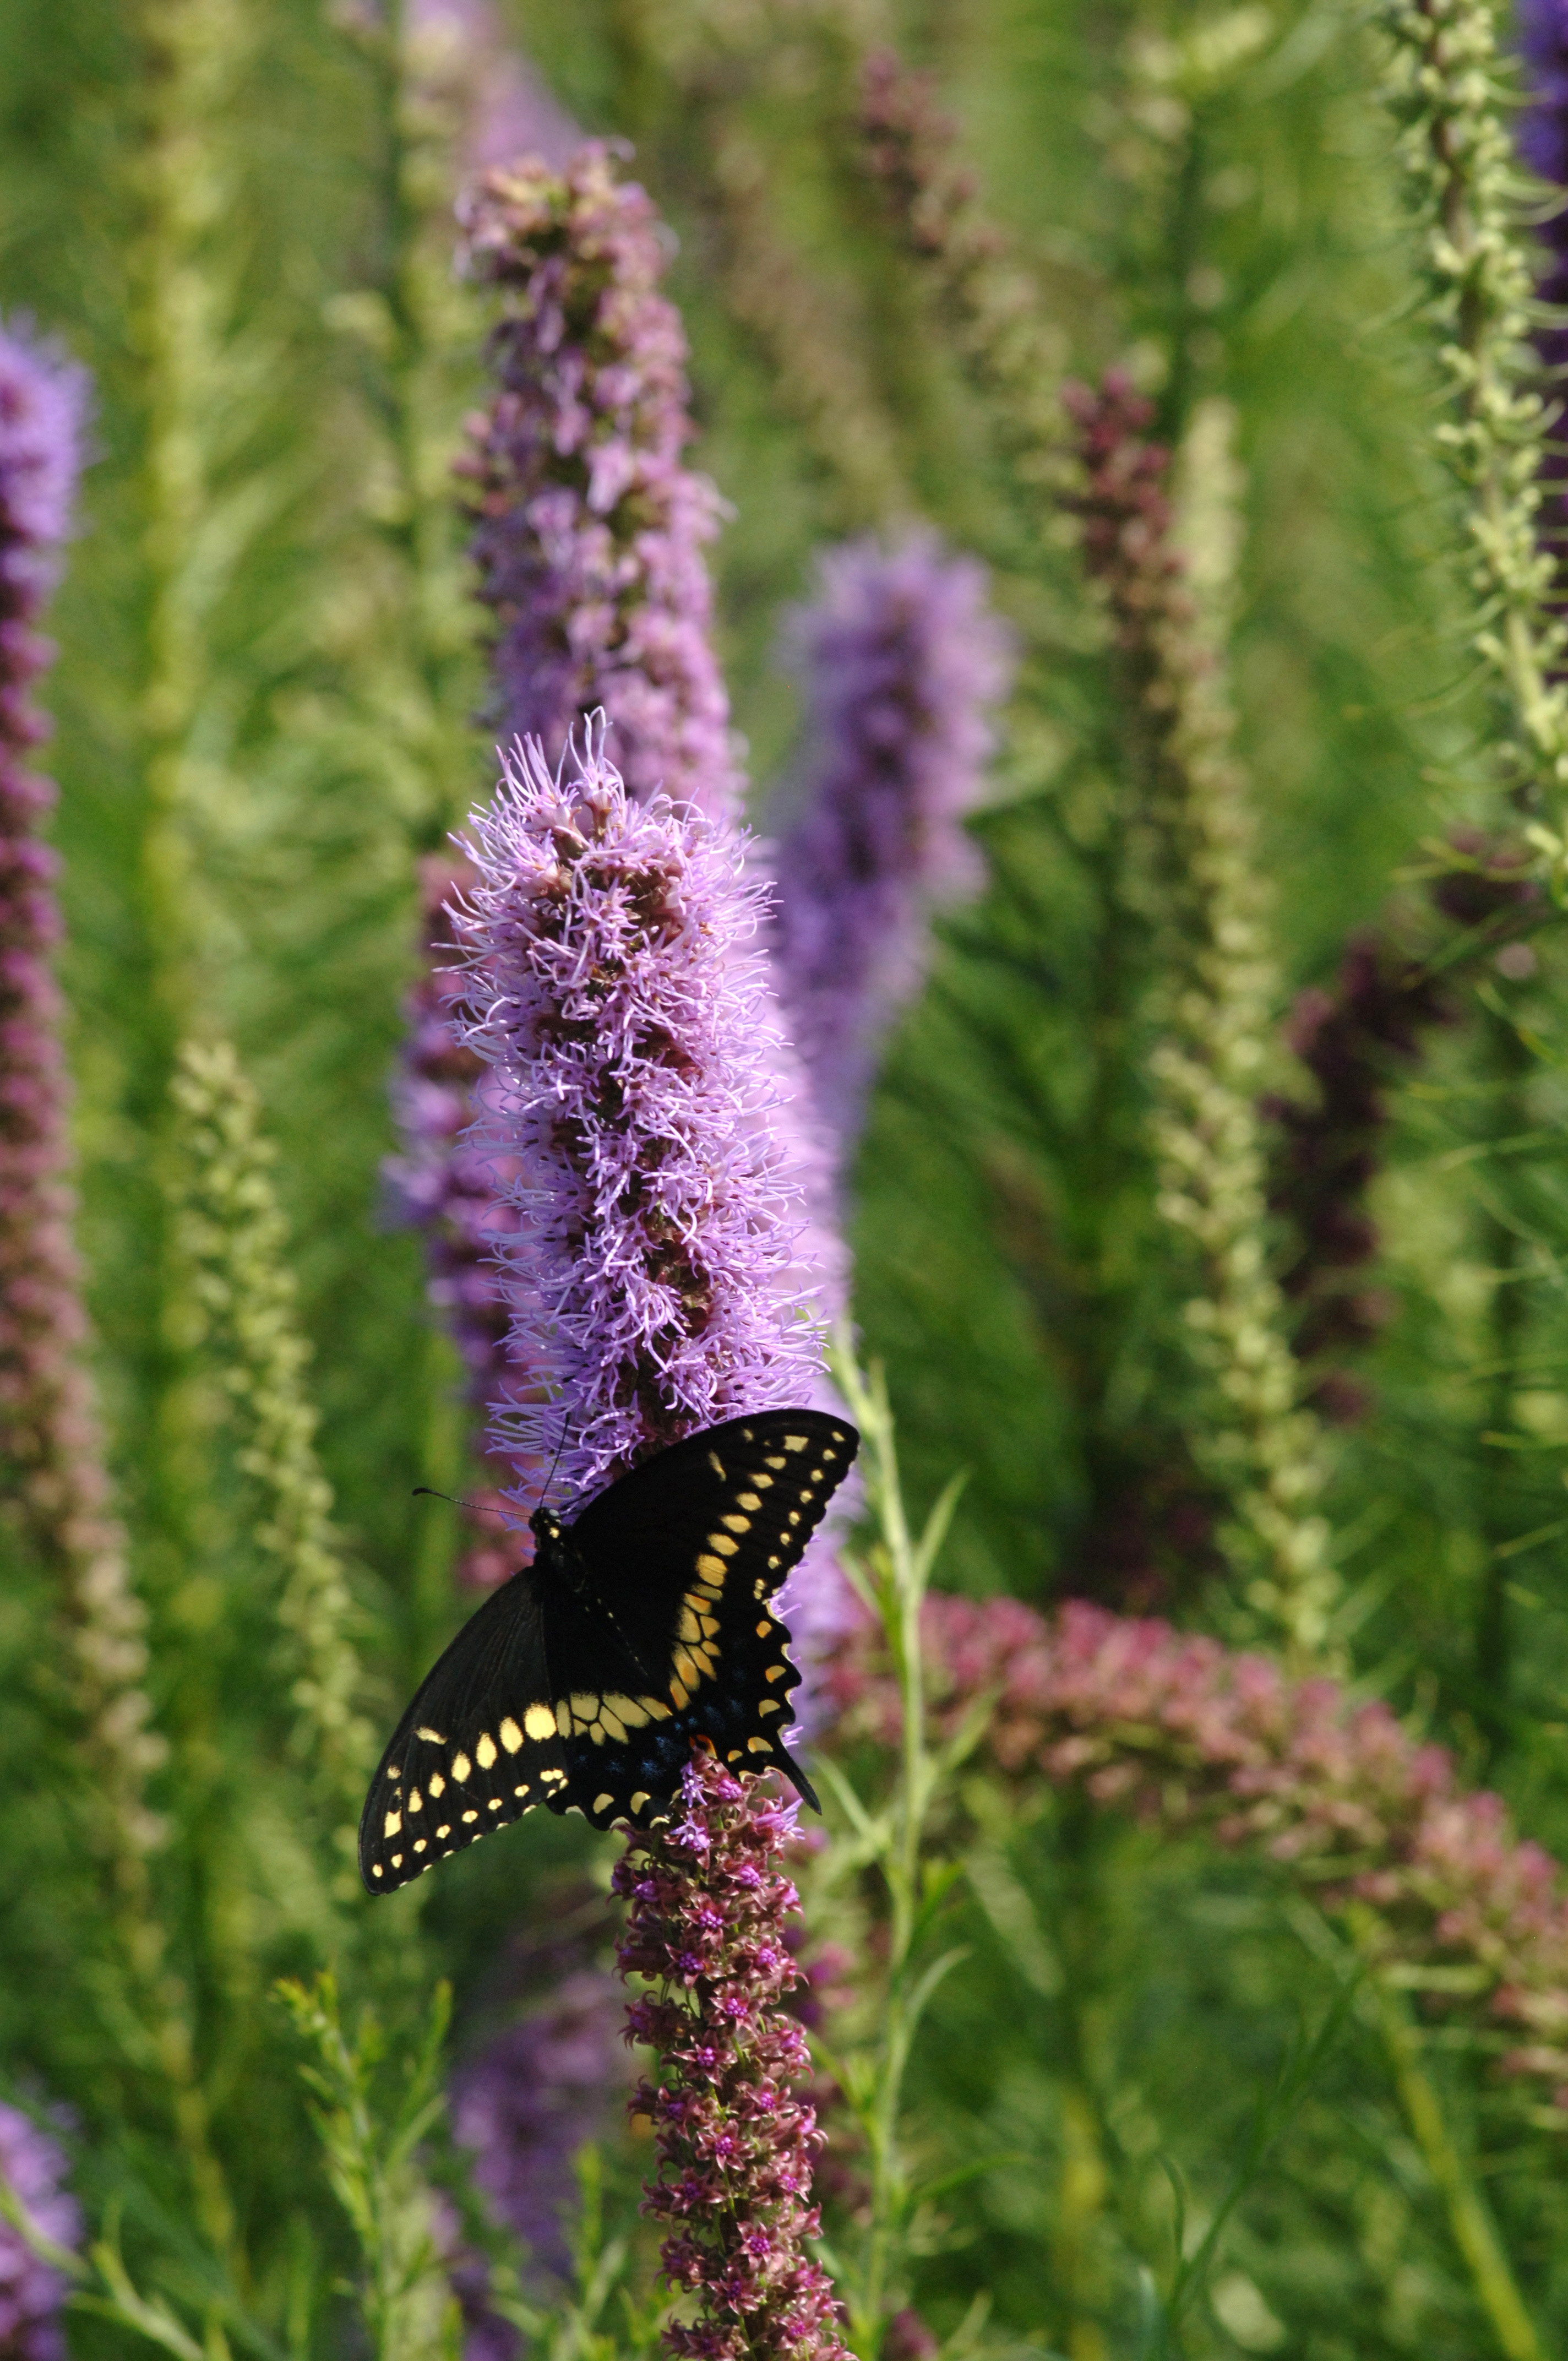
{"type": "Point", "coordinates": [644, 1624]}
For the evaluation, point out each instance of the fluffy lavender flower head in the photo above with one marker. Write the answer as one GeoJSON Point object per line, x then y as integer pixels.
{"type": "Point", "coordinates": [623, 1018]}
{"type": "Point", "coordinates": [706, 1925]}
{"type": "Point", "coordinates": [589, 531]}
{"type": "Point", "coordinates": [31, 2293]}
{"type": "Point", "coordinates": [528, 2102]}
{"type": "Point", "coordinates": [902, 664]}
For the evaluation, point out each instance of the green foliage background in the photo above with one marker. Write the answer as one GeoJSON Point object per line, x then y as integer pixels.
{"type": "Point", "coordinates": [1208, 196]}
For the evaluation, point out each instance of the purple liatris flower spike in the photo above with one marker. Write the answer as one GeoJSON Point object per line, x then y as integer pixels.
{"type": "Point", "coordinates": [589, 531]}
{"type": "Point", "coordinates": [706, 1922]}
{"type": "Point", "coordinates": [31, 2292]}
{"type": "Point", "coordinates": [588, 545]}
{"type": "Point", "coordinates": [902, 665]}
{"type": "Point", "coordinates": [616, 999]}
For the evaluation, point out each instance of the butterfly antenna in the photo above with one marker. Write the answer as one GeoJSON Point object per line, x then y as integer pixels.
{"type": "Point", "coordinates": [479, 1508]}
{"type": "Point", "coordinates": [561, 1445]}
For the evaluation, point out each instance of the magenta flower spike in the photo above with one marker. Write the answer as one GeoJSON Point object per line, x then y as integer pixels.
{"type": "Point", "coordinates": [1185, 1732]}
{"type": "Point", "coordinates": [903, 665]}
{"type": "Point", "coordinates": [587, 529]}
{"type": "Point", "coordinates": [616, 998]}
{"type": "Point", "coordinates": [707, 1922]}
{"type": "Point", "coordinates": [45, 1416]}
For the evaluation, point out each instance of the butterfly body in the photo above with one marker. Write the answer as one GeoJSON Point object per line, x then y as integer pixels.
{"type": "Point", "coordinates": [642, 1626]}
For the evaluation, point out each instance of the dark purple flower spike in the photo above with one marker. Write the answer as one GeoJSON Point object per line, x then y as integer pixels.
{"type": "Point", "coordinates": [708, 1908]}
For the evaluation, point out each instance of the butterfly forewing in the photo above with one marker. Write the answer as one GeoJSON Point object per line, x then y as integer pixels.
{"type": "Point", "coordinates": [477, 1747]}
{"type": "Point", "coordinates": [648, 1623]}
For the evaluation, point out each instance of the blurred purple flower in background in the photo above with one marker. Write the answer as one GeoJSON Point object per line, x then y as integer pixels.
{"type": "Point", "coordinates": [1543, 145]}
{"type": "Point", "coordinates": [902, 665]}
{"type": "Point", "coordinates": [31, 2292]}
{"type": "Point", "coordinates": [527, 2104]}
{"type": "Point", "coordinates": [614, 995]}
{"type": "Point", "coordinates": [707, 1922]}
{"type": "Point", "coordinates": [445, 1188]}
{"type": "Point", "coordinates": [589, 531]}
{"type": "Point", "coordinates": [461, 54]}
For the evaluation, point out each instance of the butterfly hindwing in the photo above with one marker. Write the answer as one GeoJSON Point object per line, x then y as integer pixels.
{"type": "Point", "coordinates": [477, 1747]}
{"type": "Point", "coordinates": [684, 1557]}
{"type": "Point", "coordinates": [646, 1624]}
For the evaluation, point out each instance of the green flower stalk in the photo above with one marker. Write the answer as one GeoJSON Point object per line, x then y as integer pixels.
{"type": "Point", "coordinates": [1447, 89]}
{"type": "Point", "coordinates": [234, 1239]}
{"type": "Point", "coordinates": [194, 52]}
{"type": "Point", "coordinates": [444, 91]}
{"type": "Point", "coordinates": [1256, 1439]}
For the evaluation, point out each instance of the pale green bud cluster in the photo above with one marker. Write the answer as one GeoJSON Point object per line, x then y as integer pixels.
{"type": "Point", "coordinates": [1259, 1442]}
{"type": "Point", "coordinates": [233, 1236]}
{"type": "Point", "coordinates": [1443, 87]}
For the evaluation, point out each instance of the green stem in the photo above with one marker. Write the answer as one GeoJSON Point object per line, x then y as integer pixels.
{"type": "Point", "coordinates": [897, 1571]}
{"type": "Point", "coordinates": [1470, 2219]}
{"type": "Point", "coordinates": [1511, 1059]}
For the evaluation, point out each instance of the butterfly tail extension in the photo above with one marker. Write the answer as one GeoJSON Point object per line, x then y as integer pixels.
{"type": "Point", "coordinates": [797, 1777]}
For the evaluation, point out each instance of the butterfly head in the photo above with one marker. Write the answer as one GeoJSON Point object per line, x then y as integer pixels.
{"type": "Point", "coordinates": [546, 1526]}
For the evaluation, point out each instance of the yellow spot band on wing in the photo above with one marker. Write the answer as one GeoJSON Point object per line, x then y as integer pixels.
{"type": "Point", "coordinates": [511, 1737]}
{"type": "Point", "coordinates": [539, 1721]}
{"type": "Point", "coordinates": [461, 1766]}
